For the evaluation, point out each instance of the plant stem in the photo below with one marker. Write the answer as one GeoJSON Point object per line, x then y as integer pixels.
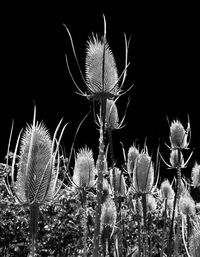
{"type": "Point", "coordinates": [164, 229]}
{"type": "Point", "coordinates": [144, 205]}
{"type": "Point", "coordinates": [99, 180]}
{"type": "Point", "coordinates": [139, 228]}
{"type": "Point", "coordinates": [34, 215]}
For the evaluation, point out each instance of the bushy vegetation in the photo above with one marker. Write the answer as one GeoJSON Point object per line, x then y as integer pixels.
{"type": "Point", "coordinates": [49, 207]}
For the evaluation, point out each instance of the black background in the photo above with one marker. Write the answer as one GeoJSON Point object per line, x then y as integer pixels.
{"type": "Point", "coordinates": [164, 56]}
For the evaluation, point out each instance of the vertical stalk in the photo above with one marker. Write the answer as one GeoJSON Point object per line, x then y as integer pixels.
{"type": "Point", "coordinates": [99, 180]}
{"type": "Point", "coordinates": [144, 205]}
{"type": "Point", "coordinates": [164, 230]}
{"type": "Point", "coordinates": [84, 204]}
{"type": "Point", "coordinates": [139, 228]}
{"type": "Point", "coordinates": [176, 198]}
{"type": "Point", "coordinates": [34, 215]}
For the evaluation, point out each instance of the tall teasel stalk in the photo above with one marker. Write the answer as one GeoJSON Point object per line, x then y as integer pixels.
{"type": "Point", "coordinates": [83, 178]}
{"type": "Point", "coordinates": [103, 83]}
{"type": "Point", "coordinates": [142, 183]}
{"type": "Point", "coordinates": [37, 174]}
{"type": "Point", "coordinates": [179, 140]}
{"type": "Point", "coordinates": [167, 194]}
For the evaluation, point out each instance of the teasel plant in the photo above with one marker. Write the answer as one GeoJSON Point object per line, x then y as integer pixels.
{"type": "Point", "coordinates": [103, 83]}
{"type": "Point", "coordinates": [194, 239]}
{"type": "Point", "coordinates": [187, 211]}
{"type": "Point", "coordinates": [36, 170]}
{"type": "Point", "coordinates": [142, 185]}
{"type": "Point", "coordinates": [179, 140]}
{"type": "Point", "coordinates": [83, 179]}
{"type": "Point", "coordinates": [167, 194]}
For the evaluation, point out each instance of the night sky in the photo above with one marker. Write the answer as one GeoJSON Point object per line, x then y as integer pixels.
{"type": "Point", "coordinates": [164, 68]}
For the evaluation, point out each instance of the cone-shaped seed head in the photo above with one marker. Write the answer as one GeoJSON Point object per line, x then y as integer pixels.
{"type": "Point", "coordinates": [176, 159]}
{"type": "Point", "coordinates": [35, 167]}
{"type": "Point", "coordinates": [178, 135]}
{"type": "Point", "coordinates": [112, 118]}
{"type": "Point", "coordinates": [101, 71]}
{"type": "Point", "coordinates": [133, 154]}
{"type": "Point", "coordinates": [196, 175]}
{"type": "Point", "coordinates": [187, 204]}
{"type": "Point", "coordinates": [84, 169]}
{"type": "Point", "coordinates": [143, 173]}
{"type": "Point", "coordinates": [120, 184]}
{"type": "Point", "coordinates": [108, 213]}
{"type": "Point", "coordinates": [166, 190]}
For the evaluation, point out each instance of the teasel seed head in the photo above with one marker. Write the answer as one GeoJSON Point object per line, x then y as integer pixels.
{"type": "Point", "coordinates": [143, 173]}
{"type": "Point", "coordinates": [196, 175]}
{"type": "Point", "coordinates": [133, 154]}
{"type": "Point", "coordinates": [84, 168]}
{"type": "Point", "coordinates": [36, 165]}
{"type": "Point", "coordinates": [101, 70]}
{"type": "Point", "coordinates": [178, 135]}
{"type": "Point", "coordinates": [166, 190]}
{"type": "Point", "coordinates": [120, 184]}
{"type": "Point", "coordinates": [108, 218]}
{"type": "Point", "coordinates": [187, 204]}
{"type": "Point", "coordinates": [176, 159]}
{"type": "Point", "coordinates": [112, 118]}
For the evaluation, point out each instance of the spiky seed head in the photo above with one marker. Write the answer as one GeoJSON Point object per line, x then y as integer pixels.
{"type": "Point", "coordinates": [176, 159]}
{"type": "Point", "coordinates": [194, 245]}
{"type": "Point", "coordinates": [112, 119]}
{"type": "Point", "coordinates": [133, 154]}
{"type": "Point", "coordinates": [195, 175]}
{"type": "Point", "coordinates": [187, 204]}
{"type": "Point", "coordinates": [36, 166]}
{"type": "Point", "coordinates": [120, 184]}
{"type": "Point", "coordinates": [178, 135]}
{"type": "Point", "coordinates": [84, 168]}
{"type": "Point", "coordinates": [151, 203]}
{"type": "Point", "coordinates": [166, 190]}
{"type": "Point", "coordinates": [101, 71]}
{"type": "Point", "coordinates": [108, 219]}
{"type": "Point", "coordinates": [143, 173]}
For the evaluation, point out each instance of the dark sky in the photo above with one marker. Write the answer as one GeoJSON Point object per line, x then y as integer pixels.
{"type": "Point", "coordinates": [164, 56]}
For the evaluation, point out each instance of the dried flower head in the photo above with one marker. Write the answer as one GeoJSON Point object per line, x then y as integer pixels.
{"type": "Point", "coordinates": [178, 135]}
{"type": "Point", "coordinates": [105, 166]}
{"type": "Point", "coordinates": [84, 168]}
{"type": "Point", "coordinates": [187, 204]}
{"type": "Point", "coordinates": [133, 154]}
{"type": "Point", "coordinates": [120, 184]}
{"type": "Point", "coordinates": [112, 119]}
{"type": "Point", "coordinates": [108, 218]}
{"type": "Point", "coordinates": [35, 166]}
{"type": "Point", "coordinates": [176, 159]}
{"type": "Point", "coordinates": [166, 190]}
{"type": "Point", "coordinates": [101, 71]}
{"type": "Point", "coordinates": [196, 175]}
{"type": "Point", "coordinates": [143, 173]}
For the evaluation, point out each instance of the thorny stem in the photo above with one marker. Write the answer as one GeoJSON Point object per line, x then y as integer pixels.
{"type": "Point", "coordinates": [164, 229]}
{"type": "Point", "coordinates": [176, 198]}
{"type": "Point", "coordinates": [144, 205]}
{"type": "Point", "coordinates": [99, 180]}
